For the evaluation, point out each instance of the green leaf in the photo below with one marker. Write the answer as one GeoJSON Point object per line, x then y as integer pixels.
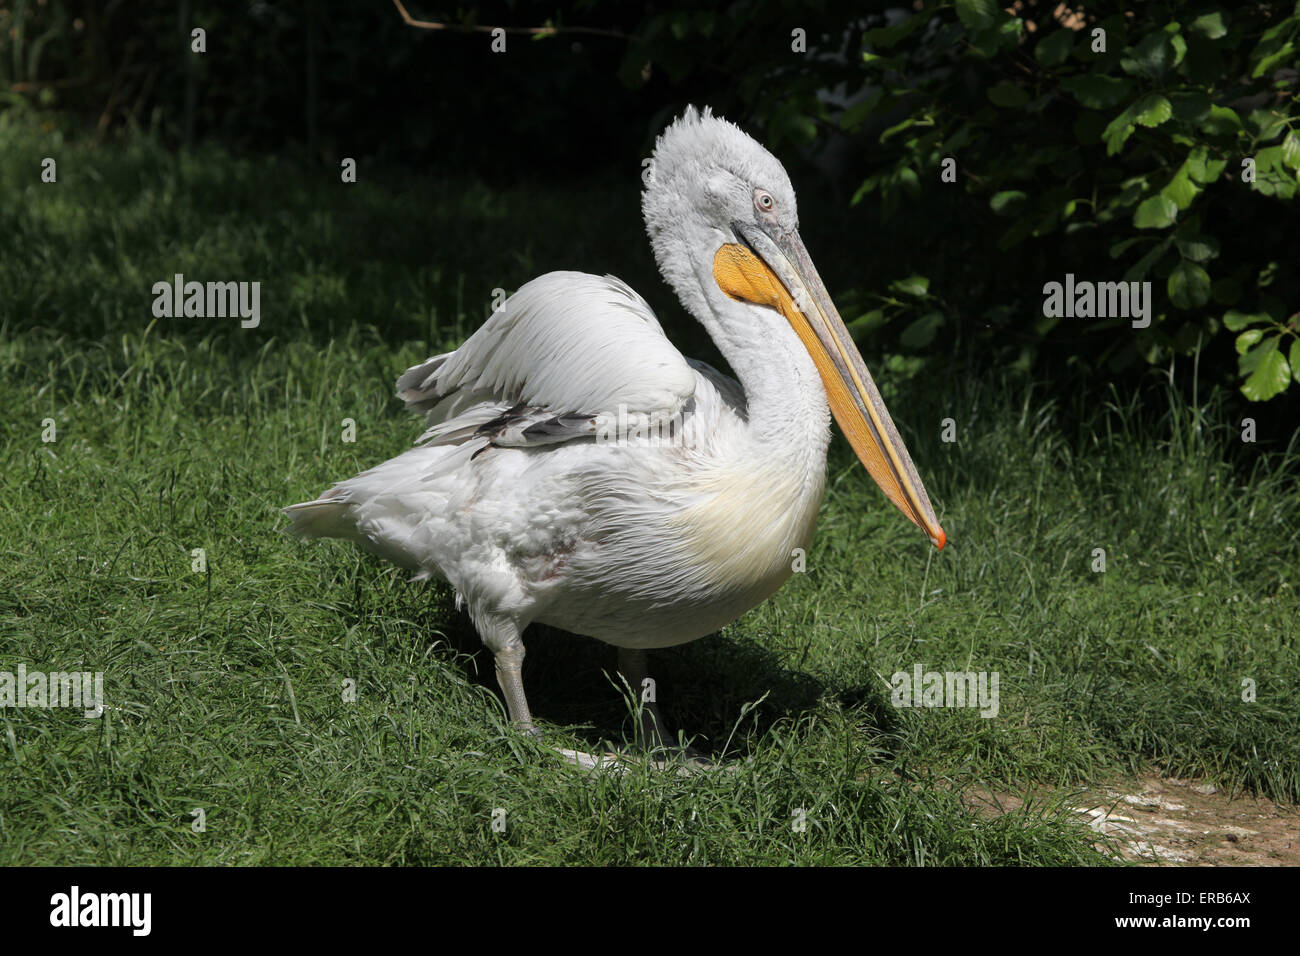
{"type": "Point", "coordinates": [1246, 364]}
{"type": "Point", "coordinates": [1188, 286]}
{"type": "Point", "coordinates": [1007, 202]}
{"type": "Point", "coordinates": [1248, 338]}
{"type": "Point", "coordinates": [1180, 46]}
{"type": "Point", "coordinates": [996, 39]}
{"type": "Point", "coordinates": [912, 285]}
{"type": "Point", "coordinates": [1155, 213]}
{"type": "Point", "coordinates": [1116, 134]}
{"type": "Point", "coordinates": [1152, 57]}
{"type": "Point", "coordinates": [1291, 150]}
{"type": "Point", "coordinates": [1235, 321]}
{"type": "Point", "coordinates": [1002, 38]}
{"type": "Point", "coordinates": [1198, 248]}
{"type": "Point", "coordinates": [1209, 25]}
{"type": "Point", "coordinates": [1007, 94]}
{"type": "Point", "coordinates": [1054, 49]}
{"type": "Point", "coordinates": [1267, 159]}
{"type": "Point", "coordinates": [1181, 190]}
{"type": "Point", "coordinates": [1269, 63]}
{"type": "Point", "coordinates": [1121, 127]}
{"type": "Point", "coordinates": [1203, 169]}
{"type": "Point", "coordinates": [977, 14]}
{"type": "Point", "coordinates": [1221, 121]}
{"type": "Point", "coordinates": [1274, 35]}
{"type": "Point", "coordinates": [1011, 29]}
{"type": "Point", "coordinates": [904, 366]}
{"type": "Point", "coordinates": [1295, 360]}
{"type": "Point", "coordinates": [1276, 183]}
{"type": "Point", "coordinates": [921, 332]}
{"type": "Point", "coordinates": [908, 179]}
{"type": "Point", "coordinates": [1152, 110]}
{"type": "Point", "coordinates": [1266, 123]}
{"type": "Point", "coordinates": [866, 323]}
{"type": "Point", "coordinates": [1271, 376]}
{"type": "Point", "coordinates": [1097, 92]}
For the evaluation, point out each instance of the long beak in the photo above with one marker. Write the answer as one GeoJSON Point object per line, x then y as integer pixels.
{"type": "Point", "coordinates": [778, 273]}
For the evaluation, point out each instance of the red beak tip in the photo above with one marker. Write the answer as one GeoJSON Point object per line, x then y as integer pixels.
{"type": "Point", "coordinates": [940, 539]}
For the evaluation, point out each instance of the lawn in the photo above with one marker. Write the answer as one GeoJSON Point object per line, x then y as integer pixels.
{"type": "Point", "coordinates": [225, 687]}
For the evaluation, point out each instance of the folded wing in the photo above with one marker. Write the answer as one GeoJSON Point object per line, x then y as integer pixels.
{"type": "Point", "coordinates": [564, 350]}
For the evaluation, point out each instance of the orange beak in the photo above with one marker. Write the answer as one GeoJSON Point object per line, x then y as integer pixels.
{"type": "Point", "coordinates": [780, 275]}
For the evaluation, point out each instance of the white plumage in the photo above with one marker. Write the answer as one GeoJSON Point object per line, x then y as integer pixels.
{"type": "Point", "coordinates": [515, 493]}
{"type": "Point", "coordinates": [526, 353]}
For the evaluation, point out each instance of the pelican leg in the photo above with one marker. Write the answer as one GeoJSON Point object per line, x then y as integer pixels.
{"type": "Point", "coordinates": [651, 732]}
{"type": "Point", "coordinates": [509, 668]}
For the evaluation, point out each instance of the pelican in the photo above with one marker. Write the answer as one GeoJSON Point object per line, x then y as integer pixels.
{"type": "Point", "coordinates": [579, 472]}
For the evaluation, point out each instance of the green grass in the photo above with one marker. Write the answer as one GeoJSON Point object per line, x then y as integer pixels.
{"type": "Point", "coordinates": [224, 687]}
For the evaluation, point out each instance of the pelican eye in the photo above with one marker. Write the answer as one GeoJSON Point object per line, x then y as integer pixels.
{"type": "Point", "coordinates": [763, 200]}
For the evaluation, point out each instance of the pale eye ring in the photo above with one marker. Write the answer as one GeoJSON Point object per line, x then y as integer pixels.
{"type": "Point", "coordinates": [763, 201]}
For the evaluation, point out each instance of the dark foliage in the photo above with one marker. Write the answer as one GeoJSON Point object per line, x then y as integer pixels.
{"type": "Point", "coordinates": [1120, 159]}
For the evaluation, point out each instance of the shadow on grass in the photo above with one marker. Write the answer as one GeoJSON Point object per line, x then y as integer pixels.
{"type": "Point", "coordinates": [723, 695]}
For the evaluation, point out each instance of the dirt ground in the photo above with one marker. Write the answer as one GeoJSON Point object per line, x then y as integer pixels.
{"type": "Point", "coordinates": [1164, 821]}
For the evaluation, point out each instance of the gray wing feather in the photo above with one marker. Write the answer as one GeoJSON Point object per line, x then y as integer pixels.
{"type": "Point", "coordinates": [564, 350]}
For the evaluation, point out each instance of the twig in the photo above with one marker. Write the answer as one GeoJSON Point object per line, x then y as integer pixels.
{"type": "Point", "coordinates": [547, 31]}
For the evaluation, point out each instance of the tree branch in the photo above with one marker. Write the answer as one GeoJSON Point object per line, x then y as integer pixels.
{"type": "Point", "coordinates": [546, 31]}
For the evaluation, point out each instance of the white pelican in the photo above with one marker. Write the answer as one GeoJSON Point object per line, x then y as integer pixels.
{"type": "Point", "coordinates": [524, 494]}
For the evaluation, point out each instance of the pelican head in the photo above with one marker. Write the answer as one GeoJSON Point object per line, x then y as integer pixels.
{"type": "Point", "coordinates": [723, 221]}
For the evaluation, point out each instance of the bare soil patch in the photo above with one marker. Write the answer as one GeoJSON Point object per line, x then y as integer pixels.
{"type": "Point", "coordinates": [1165, 821]}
